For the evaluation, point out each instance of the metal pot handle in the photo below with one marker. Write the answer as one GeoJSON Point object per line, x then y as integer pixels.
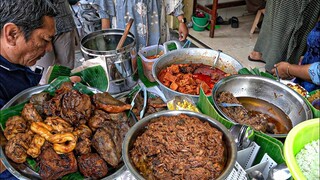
{"type": "Point", "coordinates": [167, 44]}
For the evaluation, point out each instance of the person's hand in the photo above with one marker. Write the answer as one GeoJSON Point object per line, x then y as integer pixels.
{"type": "Point", "coordinates": [283, 70]}
{"type": "Point", "coordinates": [183, 31]}
{"type": "Point", "coordinates": [75, 79]}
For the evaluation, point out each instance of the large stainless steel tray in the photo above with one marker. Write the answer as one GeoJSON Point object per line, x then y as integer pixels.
{"type": "Point", "coordinates": [22, 171]}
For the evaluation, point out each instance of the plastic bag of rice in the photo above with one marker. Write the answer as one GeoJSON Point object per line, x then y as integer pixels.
{"type": "Point", "coordinates": [308, 160]}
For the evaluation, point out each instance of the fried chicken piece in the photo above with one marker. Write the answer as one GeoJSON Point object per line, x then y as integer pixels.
{"type": "Point", "coordinates": [92, 165]}
{"type": "Point", "coordinates": [102, 141]}
{"type": "Point", "coordinates": [35, 146]}
{"type": "Point", "coordinates": [30, 113]}
{"type": "Point", "coordinates": [108, 103]}
{"type": "Point", "coordinates": [98, 119]}
{"type": "Point", "coordinates": [83, 146]}
{"type": "Point", "coordinates": [55, 166]}
{"type": "Point", "coordinates": [83, 133]}
{"type": "Point", "coordinates": [58, 124]}
{"type": "Point", "coordinates": [38, 100]}
{"type": "Point", "coordinates": [16, 148]}
{"type": "Point", "coordinates": [15, 125]}
{"type": "Point", "coordinates": [76, 107]}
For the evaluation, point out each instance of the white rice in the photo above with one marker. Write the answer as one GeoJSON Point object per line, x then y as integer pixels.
{"type": "Point", "coordinates": [308, 160]}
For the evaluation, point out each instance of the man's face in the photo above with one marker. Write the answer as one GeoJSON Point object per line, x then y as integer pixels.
{"type": "Point", "coordinates": [40, 41]}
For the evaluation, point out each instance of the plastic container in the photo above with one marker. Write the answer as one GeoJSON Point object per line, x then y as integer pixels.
{"type": "Point", "coordinates": [297, 138]}
{"type": "Point", "coordinates": [199, 24]}
{"type": "Point", "coordinates": [147, 63]}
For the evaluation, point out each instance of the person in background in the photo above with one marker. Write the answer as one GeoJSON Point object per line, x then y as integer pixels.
{"type": "Point", "coordinates": [64, 41]}
{"type": "Point", "coordinates": [308, 73]}
{"type": "Point", "coordinates": [149, 18]}
{"type": "Point", "coordinates": [254, 5]}
{"type": "Point", "coordinates": [284, 31]}
{"type": "Point", "coordinates": [27, 29]}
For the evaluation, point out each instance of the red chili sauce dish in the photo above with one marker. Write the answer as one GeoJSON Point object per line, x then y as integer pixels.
{"type": "Point", "coordinates": [188, 78]}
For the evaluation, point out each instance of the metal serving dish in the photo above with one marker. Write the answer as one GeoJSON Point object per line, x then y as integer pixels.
{"type": "Point", "coordinates": [140, 127]}
{"type": "Point", "coordinates": [283, 97]}
{"type": "Point", "coordinates": [22, 171]}
{"type": "Point", "coordinates": [194, 55]}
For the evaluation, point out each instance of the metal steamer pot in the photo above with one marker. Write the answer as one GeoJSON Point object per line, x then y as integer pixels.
{"type": "Point", "coordinates": [121, 64]}
{"type": "Point", "coordinates": [192, 55]}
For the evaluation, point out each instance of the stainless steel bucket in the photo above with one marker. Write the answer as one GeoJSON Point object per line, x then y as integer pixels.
{"type": "Point", "coordinates": [121, 64]}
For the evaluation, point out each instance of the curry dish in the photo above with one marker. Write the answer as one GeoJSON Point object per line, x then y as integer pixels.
{"type": "Point", "coordinates": [188, 78]}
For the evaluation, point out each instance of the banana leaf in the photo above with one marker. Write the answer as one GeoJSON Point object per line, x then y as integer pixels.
{"type": "Point", "coordinates": [56, 71]}
{"type": "Point", "coordinates": [56, 84]}
{"type": "Point", "coordinates": [73, 176]}
{"type": "Point", "coordinates": [257, 72]}
{"type": "Point", "coordinates": [95, 77]}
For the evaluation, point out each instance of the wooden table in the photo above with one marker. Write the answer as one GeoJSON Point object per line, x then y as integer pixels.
{"type": "Point", "coordinates": [212, 10]}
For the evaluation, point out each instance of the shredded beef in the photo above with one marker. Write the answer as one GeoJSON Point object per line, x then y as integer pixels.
{"type": "Point", "coordinates": [179, 147]}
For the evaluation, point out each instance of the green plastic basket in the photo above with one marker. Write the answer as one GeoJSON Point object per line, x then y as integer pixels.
{"type": "Point", "coordinates": [297, 138]}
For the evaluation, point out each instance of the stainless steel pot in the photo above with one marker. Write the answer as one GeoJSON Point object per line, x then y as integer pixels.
{"type": "Point", "coordinates": [121, 64]}
{"type": "Point", "coordinates": [21, 171]}
{"type": "Point", "coordinates": [141, 125]}
{"type": "Point", "coordinates": [194, 55]}
{"type": "Point", "coordinates": [286, 99]}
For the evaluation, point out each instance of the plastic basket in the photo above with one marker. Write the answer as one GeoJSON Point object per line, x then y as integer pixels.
{"type": "Point", "coordinates": [297, 138]}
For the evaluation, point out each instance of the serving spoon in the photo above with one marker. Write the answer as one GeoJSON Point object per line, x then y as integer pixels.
{"type": "Point", "coordinates": [230, 105]}
{"type": "Point", "coordinates": [215, 61]}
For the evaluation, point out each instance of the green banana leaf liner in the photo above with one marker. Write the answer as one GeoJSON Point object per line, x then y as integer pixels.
{"type": "Point", "coordinates": [257, 72]}
{"type": "Point", "coordinates": [269, 145]}
{"type": "Point", "coordinates": [94, 76]}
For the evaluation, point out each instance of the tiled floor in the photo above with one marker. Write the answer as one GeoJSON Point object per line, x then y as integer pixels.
{"type": "Point", "coordinates": [235, 42]}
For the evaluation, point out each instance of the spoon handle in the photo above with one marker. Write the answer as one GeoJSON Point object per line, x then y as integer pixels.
{"type": "Point", "coordinates": [216, 59]}
{"type": "Point", "coordinates": [230, 105]}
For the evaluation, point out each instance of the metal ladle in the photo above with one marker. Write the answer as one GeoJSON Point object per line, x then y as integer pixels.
{"type": "Point", "coordinates": [158, 46]}
{"type": "Point", "coordinates": [256, 175]}
{"type": "Point", "coordinates": [280, 171]}
{"type": "Point", "coordinates": [230, 105]}
{"type": "Point", "coordinates": [215, 61]}
{"type": "Point", "coordinates": [243, 135]}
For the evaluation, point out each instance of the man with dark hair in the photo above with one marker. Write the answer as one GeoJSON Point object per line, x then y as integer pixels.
{"type": "Point", "coordinates": [26, 31]}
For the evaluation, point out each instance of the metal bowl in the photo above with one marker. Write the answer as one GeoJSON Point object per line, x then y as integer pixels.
{"type": "Point", "coordinates": [194, 55]}
{"type": "Point", "coordinates": [21, 171]}
{"type": "Point", "coordinates": [140, 127]}
{"type": "Point", "coordinates": [286, 99]}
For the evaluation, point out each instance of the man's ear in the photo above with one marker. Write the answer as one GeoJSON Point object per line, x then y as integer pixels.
{"type": "Point", "coordinates": [11, 33]}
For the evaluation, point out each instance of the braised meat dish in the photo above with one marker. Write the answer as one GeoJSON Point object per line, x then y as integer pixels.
{"type": "Point", "coordinates": [69, 131]}
{"type": "Point", "coordinates": [53, 165]}
{"type": "Point", "coordinates": [188, 78]}
{"type": "Point", "coordinates": [92, 165]}
{"type": "Point", "coordinates": [154, 104]}
{"type": "Point", "coordinates": [257, 120]}
{"type": "Point", "coordinates": [179, 147]}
